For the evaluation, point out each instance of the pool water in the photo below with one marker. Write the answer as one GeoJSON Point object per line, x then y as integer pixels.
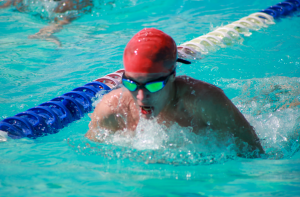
{"type": "Point", "coordinates": [260, 75]}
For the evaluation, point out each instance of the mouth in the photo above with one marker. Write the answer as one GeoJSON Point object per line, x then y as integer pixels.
{"type": "Point", "coordinates": [147, 109]}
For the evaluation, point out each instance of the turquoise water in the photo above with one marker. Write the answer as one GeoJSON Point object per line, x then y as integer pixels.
{"type": "Point", "coordinates": [261, 76]}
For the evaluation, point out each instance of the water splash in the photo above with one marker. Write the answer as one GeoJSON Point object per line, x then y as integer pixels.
{"type": "Point", "coordinates": [156, 143]}
{"type": "Point", "coordinates": [272, 106]}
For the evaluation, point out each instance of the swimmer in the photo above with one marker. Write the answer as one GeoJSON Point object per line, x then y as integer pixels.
{"type": "Point", "coordinates": [63, 6]}
{"type": "Point", "coordinates": [152, 90]}
{"type": "Point", "coordinates": [17, 3]}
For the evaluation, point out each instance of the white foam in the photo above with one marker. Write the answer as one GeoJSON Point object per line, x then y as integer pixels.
{"type": "Point", "coordinates": [270, 105]}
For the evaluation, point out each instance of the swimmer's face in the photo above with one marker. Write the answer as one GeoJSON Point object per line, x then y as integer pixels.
{"type": "Point", "coordinates": [151, 104]}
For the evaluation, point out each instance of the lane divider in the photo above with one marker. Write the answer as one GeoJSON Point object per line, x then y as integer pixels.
{"type": "Point", "coordinates": [231, 33]}
{"type": "Point", "coordinates": [51, 116]}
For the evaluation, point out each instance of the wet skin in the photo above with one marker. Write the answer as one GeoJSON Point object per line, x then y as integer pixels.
{"type": "Point", "coordinates": [184, 100]}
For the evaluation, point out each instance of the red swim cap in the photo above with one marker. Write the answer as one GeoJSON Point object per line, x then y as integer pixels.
{"type": "Point", "coordinates": [150, 51]}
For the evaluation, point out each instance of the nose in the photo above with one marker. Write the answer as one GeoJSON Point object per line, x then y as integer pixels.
{"type": "Point", "coordinates": [142, 95]}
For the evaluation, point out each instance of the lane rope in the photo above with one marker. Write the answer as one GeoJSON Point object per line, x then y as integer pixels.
{"type": "Point", "coordinates": [232, 33]}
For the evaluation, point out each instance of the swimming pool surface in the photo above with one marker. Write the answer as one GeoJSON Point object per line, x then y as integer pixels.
{"type": "Point", "coordinates": [260, 75]}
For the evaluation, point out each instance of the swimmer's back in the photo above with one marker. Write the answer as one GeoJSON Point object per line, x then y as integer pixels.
{"type": "Point", "coordinates": [211, 107]}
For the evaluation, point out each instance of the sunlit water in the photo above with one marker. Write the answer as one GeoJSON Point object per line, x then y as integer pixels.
{"type": "Point", "coordinates": [260, 75]}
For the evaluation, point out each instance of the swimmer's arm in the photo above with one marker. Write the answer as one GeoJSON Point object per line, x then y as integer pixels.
{"type": "Point", "coordinates": [17, 3]}
{"type": "Point", "coordinates": [223, 115]}
{"type": "Point", "coordinates": [46, 33]}
{"type": "Point", "coordinates": [104, 117]}
{"type": "Point", "coordinates": [5, 5]}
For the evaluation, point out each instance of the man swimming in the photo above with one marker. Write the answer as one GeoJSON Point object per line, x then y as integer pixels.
{"type": "Point", "coordinates": [153, 90]}
{"type": "Point", "coordinates": [64, 7]}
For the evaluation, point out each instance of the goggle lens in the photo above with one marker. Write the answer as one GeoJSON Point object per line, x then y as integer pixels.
{"type": "Point", "coordinates": [155, 86]}
{"type": "Point", "coordinates": [131, 86]}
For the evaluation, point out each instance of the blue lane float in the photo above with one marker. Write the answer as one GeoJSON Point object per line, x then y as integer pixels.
{"type": "Point", "coordinates": [283, 8]}
{"type": "Point", "coordinates": [51, 116]}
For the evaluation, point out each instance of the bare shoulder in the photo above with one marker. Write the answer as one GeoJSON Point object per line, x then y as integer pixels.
{"type": "Point", "coordinates": [109, 102]}
{"type": "Point", "coordinates": [105, 113]}
{"type": "Point", "coordinates": [190, 88]}
{"type": "Point", "coordinates": [206, 100]}
{"type": "Point", "coordinates": [210, 104]}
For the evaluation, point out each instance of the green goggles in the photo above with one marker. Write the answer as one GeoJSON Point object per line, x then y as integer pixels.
{"type": "Point", "coordinates": [152, 86]}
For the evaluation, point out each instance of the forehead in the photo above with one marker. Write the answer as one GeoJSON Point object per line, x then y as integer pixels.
{"type": "Point", "coordinates": [144, 77]}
